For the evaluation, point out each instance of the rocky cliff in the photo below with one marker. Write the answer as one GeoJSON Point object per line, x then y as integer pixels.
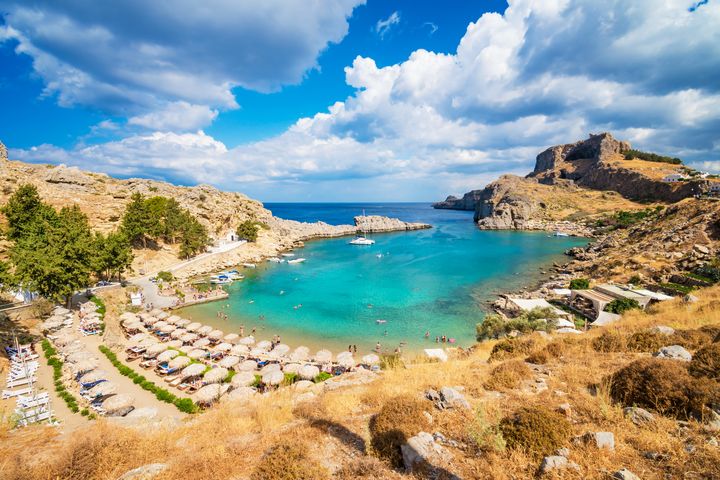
{"type": "Point", "coordinates": [467, 202]}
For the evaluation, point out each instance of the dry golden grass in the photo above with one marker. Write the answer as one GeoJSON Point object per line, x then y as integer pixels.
{"type": "Point", "coordinates": [230, 440]}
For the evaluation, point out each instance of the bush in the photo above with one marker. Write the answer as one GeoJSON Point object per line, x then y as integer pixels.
{"type": "Point", "coordinates": [646, 341]}
{"type": "Point", "coordinates": [663, 385]}
{"type": "Point", "coordinates": [322, 376]}
{"type": "Point", "coordinates": [693, 339]}
{"type": "Point", "coordinates": [288, 460]}
{"type": "Point", "coordinates": [609, 342]}
{"type": "Point", "coordinates": [399, 419]}
{"type": "Point", "coordinates": [511, 348]}
{"type": "Point", "coordinates": [579, 284]}
{"type": "Point", "coordinates": [165, 276]}
{"type": "Point", "coordinates": [551, 350]}
{"type": "Point", "coordinates": [621, 305]}
{"type": "Point", "coordinates": [537, 431]}
{"type": "Point", "coordinates": [706, 362]}
{"type": "Point", "coordinates": [651, 157]}
{"type": "Point", "coordinates": [508, 375]}
{"type": "Point", "coordinates": [711, 272]}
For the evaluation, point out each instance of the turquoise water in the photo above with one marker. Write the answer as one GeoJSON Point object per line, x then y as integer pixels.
{"type": "Point", "coordinates": [425, 281]}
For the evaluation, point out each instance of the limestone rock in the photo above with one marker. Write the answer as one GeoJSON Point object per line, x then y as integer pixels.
{"type": "Point", "coordinates": [556, 462]}
{"type": "Point", "coordinates": [447, 398]}
{"type": "Point", "coordinates": [674, 352]}
{"type": "Point", "coordinates": [468, 201]}
{"type": "Point", "coordinates": [625, 474]}
{"type": "Point", "coordinates": [146, 472]}
{"type": "Point", "coordinates": [423, 452]}
{"type": "Point", "coordinates": [702, 249]}
{"type": "Point", "coordinates": [69, 175]}
{"type": "Point", "coordinates": [639, 416]}
{"type": "Point", "coordinates": [376, 223]}
{"type": "Point", "coordinates": [604, 440]}
{"type": "Point", "coordinates": [662, 329]}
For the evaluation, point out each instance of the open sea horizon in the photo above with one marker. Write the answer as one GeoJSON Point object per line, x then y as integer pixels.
{"type": "Point", "coordinates": [407, 285]}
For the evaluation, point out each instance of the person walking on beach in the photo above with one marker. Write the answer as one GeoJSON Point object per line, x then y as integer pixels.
{"type": "Point", "coordinates": [378, 347]}
{"type": "Point", "coordinates": [354, 348]}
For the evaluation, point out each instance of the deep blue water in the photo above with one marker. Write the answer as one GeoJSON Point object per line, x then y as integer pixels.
{"type": "Point", "coordinates": [424, 281]}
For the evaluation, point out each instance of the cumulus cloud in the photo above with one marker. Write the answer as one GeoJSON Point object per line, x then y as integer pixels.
{"type": "Point", "coordinates": [543, 72]}
{"type": "Point", "coordinates": [383, 26]}
{"type": "Point", "coordinates": [133, 57]}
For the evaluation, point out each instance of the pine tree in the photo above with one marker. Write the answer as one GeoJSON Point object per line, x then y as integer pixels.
{"type": "Point", "coordinates": [137, 223]}
{"type": "Point", "coordinates": [26, 213]}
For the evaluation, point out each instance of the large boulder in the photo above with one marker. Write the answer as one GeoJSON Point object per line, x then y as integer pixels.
{"type": "Point", "coordinates": [146, 472]}
{"type": "Point", "coordinates": [674, 352]}
{"type": "Point", "coordinates": [424, 454]}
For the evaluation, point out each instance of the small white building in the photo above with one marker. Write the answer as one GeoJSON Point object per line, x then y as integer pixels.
{"type": "Point", "coordinates": [136, 299]}
{"type": "Point", "coordinates": [673, 177]}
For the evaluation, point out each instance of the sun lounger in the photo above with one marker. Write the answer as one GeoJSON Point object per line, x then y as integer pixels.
{"type": "Point", "coordinates": [39, 418]}
{"type": "Point", "coordinates": [170, 379]}
{"type": "Point", "coordinates": [14, 393]}
{"type": "Point", "coordinates": [20, 382]}
{"type": "Point", "coordinates": [176, 382]}
{"type": "Point", "coordinates": [29, 402]}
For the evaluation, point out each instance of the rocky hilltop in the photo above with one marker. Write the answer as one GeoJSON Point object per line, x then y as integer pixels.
{"type": "Point", "coordinates": [103, 199]}
{"type": "Point", "coordinates": [572, 184]}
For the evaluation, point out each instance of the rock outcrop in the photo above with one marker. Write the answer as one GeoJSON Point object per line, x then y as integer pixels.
{"type": "Point", "coordinates": [468, 201]}
{"type": "Point", "coordinates": [3, 152]}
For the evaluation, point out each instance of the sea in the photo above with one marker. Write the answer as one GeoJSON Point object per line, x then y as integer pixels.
{"type": "Point", "coordinates": [405, 291]}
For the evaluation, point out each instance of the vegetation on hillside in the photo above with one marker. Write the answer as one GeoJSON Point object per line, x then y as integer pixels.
{"type": "Point", "coordinates": [495, 326]}
{"type": "Point", "coordinates": [624, 219]}
{"type": "Point", "coordinates": [248, 230]}
{"type": "Point", "coordinates": [651, 157]}
{"type": "Point", "coordinates": [56, 253]}
{"type": "Point", "coordinates": [162, 218]}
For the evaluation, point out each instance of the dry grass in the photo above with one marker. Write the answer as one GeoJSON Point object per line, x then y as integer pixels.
{"type": "Point", "coordinates": [508, 375]}
{"type": "Point", "coordinates": [230, 441]}
{"type": "Point", "coordinates": [399, 419]}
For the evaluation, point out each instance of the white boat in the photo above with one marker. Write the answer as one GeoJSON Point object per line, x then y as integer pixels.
{"type": "Point", "coordinates": [287, 254]}
{"type": "Point", "coordinates": [220, 280]}
{"type": "Point", "coordinates": [249, 265]}
{"type": "Point", "coordinates": [233, 275]}
{"type": "Point", "coordinates": [561, 234]}
{"type": "Point", "coordinates": [361, 239]}
{"type": "Point", "coordinates": [296, 260]}
{"type": "Point", "coordinates": [275, 260]}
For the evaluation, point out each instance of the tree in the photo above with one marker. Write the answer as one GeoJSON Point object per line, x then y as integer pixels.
{"type": "Point", "coordinates": [26, 212]}
{"type": "Point", "coordinates": [579, 284]}
{"type": "Point", "coordinates": [193, 238]}
{"type": "Point", "coordinates": [248, 230]}
{"type": "Point", "coordinates": [113, 254]}
{"type": "Point", "coordinates": [621, 305]}
{"type": "Point", "coordinates": [59, 262]}
{"type": "Point", "coordinates": [137, 222]}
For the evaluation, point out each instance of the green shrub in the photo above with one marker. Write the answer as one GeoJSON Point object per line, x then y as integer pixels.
{"type": "Point", "coordinates": [399, 419]}
{"type": "Point", "coordinates": [706, 362]}
{"type": "Point", "coordinates": [84, 412]}
{"type": "Point", "coordinates": [621, 305]}
{"type": "Point", "coordinates": [289, 460]}
{"type": "Point", "coordinates": [711, 272]}
{"type": "Point", "coordinates": [322, 376]}
{"type": "Point", "coordinates": [676, 288]}
{"type": "Point", "coordinates": [536, 431]}
{"type": "Point", "coordinates": [165, 276]}
{"type": "Point", "coordinates": [651, 157]}
{"type": "Point", "coordinates": [663, 385]}
{"type": "Point", "coordinates": [579, 284]}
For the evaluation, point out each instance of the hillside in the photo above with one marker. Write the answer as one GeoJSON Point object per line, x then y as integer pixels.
{"type": "Point", "coordinates": [352, 429]}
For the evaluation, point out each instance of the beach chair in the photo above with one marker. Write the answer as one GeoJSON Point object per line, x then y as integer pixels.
{"type": "Point", "coordinates": [176, 382]}
{"type": "Point", "coordinates": [170, 379]}
{"type": "Point", "coordinates": [20, 382]}
{"type": "Point", "coordinates": [15, 393]}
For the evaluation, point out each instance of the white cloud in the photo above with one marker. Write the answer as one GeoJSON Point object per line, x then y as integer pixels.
{"type": "Point", "coordinates": [176, 116]}
{"type": "Point", "coordinates": [134, 57]}
{"type": "Point", "coordinates": [542, 73]}
{"type": "Point", "coordinates": [383, 26]}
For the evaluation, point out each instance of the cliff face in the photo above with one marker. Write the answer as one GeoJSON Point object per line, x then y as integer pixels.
{"type": "Point", "coordinates": [467, 202]}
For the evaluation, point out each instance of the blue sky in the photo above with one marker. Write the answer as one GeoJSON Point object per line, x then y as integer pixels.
{"type": "Point", "coordinates": [344, 100]}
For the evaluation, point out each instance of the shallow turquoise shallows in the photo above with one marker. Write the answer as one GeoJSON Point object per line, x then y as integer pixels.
{"type": "Point", "coordinates": [413, 282]}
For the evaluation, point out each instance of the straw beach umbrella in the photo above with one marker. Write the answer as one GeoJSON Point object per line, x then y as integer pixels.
{"type": "Point", "coordinates": [300, 354]}
{"type": "Point", "coordinates": [102, 389]}
{"type": "Point", "coordinates": [186, 349]}
{"type": "Point", "coordinates": [210, 394]}
{"type": "Point", "coordinates": [274, 377]}
{"type": "Point", "coordinates": [201, 343]}
{"type": "Point", "coordinates": [370, 359]}
{"type": "Point", "coordinates": [308, 372]}
{"type": "Point", "coordinates": [118, 405]}
{"type": "Point", "coordinates": [167, 355]}
{"type": "Point", "coordinates": [229, 362]}
{"type": "Point", "coordinates": [247, 366]}
{"type": "Point", "coordinates": [155, 350]}
{"type": "Point", "coordinates": [148, 342]}
{"type": "Point", "coordinates": [173, 319]}
{"type": "Point", "coordinates": [128, 315]}
{"type": "Point", "coordinates": [242, 379]}
{"type": "Point", "coordinates": [79, 357]}
{"type": "Point", "coordinates": [291, 368]}
{"type": "Point", "coordinates": [168, 328]}
{"type": "Point", "coordinates": [249, 340]}
{"type": "Point", "coordinates": [241, 393]}
{"type": "Point", "coordinates": [150, 322]}
{"type": "Point", "coordinates": [270, 367]}
{"type": "Point", "coordinates": [323, 356]}
{"type": "Point", "coordinates": [279, 350]}
{"type": "Point", "coordinates": [94, 376]}
{"type": "Point", "coordinates": [204, 330]}
{"type": "Point", "coordinates": [264, 345]}
{"type": "Point", "coordinates": [162, 315]}
{"type": "Point", "coordinates": [257, 352]}
{"type": "Point", "coordinates": [343, 354]}
{"type": "Point", "coordinates": [215, 375]}
{"type": "Point", "coordinates": [84, 365]}
{"type": "Point", "coordinates": [223, 347]}
{"type": "Point", "coordinates": [65, 339]}
{"type": "Point", "coordinates": [189, 337]}
{"type": "Point", "coordinates": [159, 325]}
{"type": "Point", "coordinates": [178, 333]}
{"type": "Point", "coordinates": [347, 362]}
{"type": "Point", "coordinates": [137, 338]}
{"type": "Point", "coordinates": [182, 322]}
{"type": "Point", "coordinates": [179, 362]}
{"type": "Point", "coordinates": [216, 335]}
{"type": "Point", "coordinates": [174, 343]}
{"type": "Point", "coordinates": [239, 350]}
{"type": "Point", "coordinates": [155, 312]}
{"type": "Point", "coordinates": [193, 327]}
{"type": "Point", "coordinates": [197, 354]}
{"type": "Point", "coordinates": [193, 370]}
{"type": "Point", "coordinates": [232, 338]}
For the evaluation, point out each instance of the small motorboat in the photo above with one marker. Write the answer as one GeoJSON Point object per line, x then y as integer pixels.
{"type": "Point", "coordinates": [295, 260]}
{"type": "Point", "coordinates": [220, 279]}
{"type": "Point", "coordinates": [249, 265]}
{"type": "Point", "coordinates": [275, 260]}
{"type": "Point", "coordinates": [233, 275]}
{"type": "Point", "coordinates": [380, 321]}
{"type": "Point", "coordinates": [561, 234]}
{"type": "Point", "coordinates": [362, 240]}
{"type": "Point", "coordinates": [287, 254]}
